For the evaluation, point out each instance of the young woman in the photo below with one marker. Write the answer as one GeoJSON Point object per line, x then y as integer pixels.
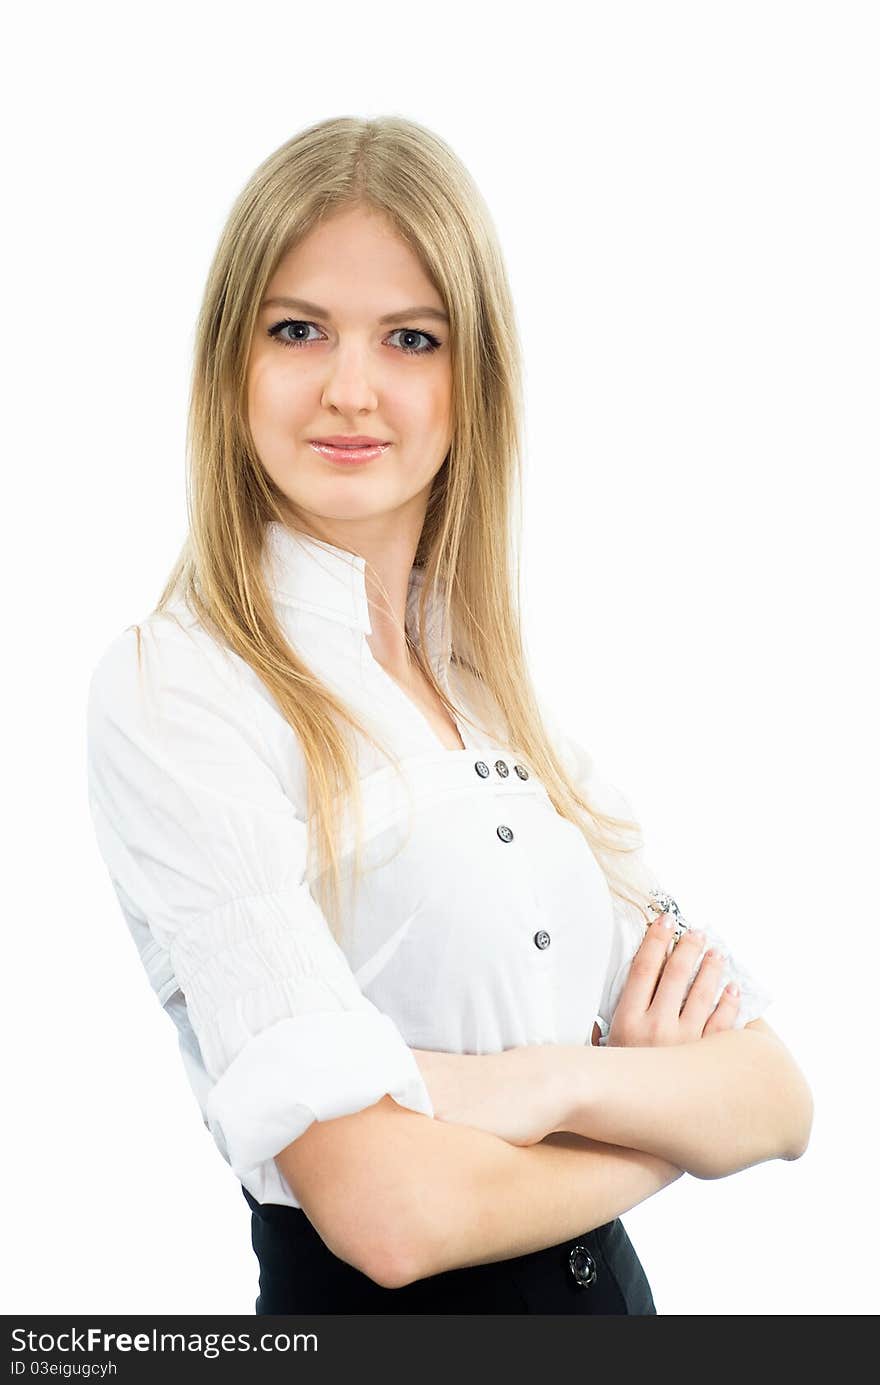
{"type": "Point", "coordinates": [386, 900]}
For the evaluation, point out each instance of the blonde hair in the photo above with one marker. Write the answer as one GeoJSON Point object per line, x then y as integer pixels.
{"type": "Point", "coordinates": [470, 540]}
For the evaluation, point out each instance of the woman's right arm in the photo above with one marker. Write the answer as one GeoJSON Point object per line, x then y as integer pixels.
{"type": "Point", "coordinates": [401, 1196]}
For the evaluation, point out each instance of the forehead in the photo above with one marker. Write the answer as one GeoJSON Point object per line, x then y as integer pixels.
{"type": "Point", "coordinates": [354, 261]}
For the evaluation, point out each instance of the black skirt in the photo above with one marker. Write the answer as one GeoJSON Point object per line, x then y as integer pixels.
{"type": "Point", "coordinates": [596, 1272]}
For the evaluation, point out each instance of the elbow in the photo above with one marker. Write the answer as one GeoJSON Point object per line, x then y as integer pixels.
{"type": "Point", "coordinates": [389, 1245]}
{"type": "Point", "coordinates": [778, 1138]}
{"type": "Point", "coordinates": [385, 1255]}
{"type": "Point", "coordinates": [794, 1099]}
{"type": "Point", "coordinates": [394, 1262]}
{"type": "Point", "coordinates": [787, 1143]}
{"type": "Point", "coordinates": [385, 1259]}
{"type": "Point", "coordinates": [799, 1106]}
{"type": "Point", "coordinates": [396, 1269]}
{"type": "Point", "coordinates": [416, 1247]}
{"type": "Point", "coordinates": [362, 1162]}
{"type": "Point", "coordinates": [797, 1150]}
{"type": "Point", "coordinates": [800, 1140]}
{"type": "Point", "coordinates": [407, 1252]}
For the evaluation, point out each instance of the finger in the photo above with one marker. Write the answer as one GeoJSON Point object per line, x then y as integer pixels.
{"type": "Point", "coordinates": [668, 998]}
{"type": "Point", "coordinates": [647, 964]}
{"type": "Point", "coordinates": [700, 1000]}
{"type": "Point", "coordinates": [724, 1013]}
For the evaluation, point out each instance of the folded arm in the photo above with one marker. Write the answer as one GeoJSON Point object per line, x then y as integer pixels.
{"type": "Point", "coordinates": [713, 1107]}
{"type": "Point", "coordinates": [431, 1196]}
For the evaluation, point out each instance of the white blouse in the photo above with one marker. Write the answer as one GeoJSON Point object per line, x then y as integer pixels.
{"type": "Point", "coordinates": [483, 920]}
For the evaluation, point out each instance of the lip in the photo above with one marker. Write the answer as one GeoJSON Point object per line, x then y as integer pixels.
{"type": "Point", "coordinates": [348, 455]}
{"type": "Point", "coordinates": [349, 440]}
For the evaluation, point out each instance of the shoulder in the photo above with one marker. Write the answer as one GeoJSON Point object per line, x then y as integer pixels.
{"type": "Point", "coordinates": [165, 698]}
{"type": "Point", "coordinates": [166, 650]}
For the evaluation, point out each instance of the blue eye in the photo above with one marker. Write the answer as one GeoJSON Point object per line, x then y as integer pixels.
{"type": "Point", "coordinates": [433, 343]}
{"type": "Point", "coordinates": [280, 327]}
{"type": "Point", "coordinates": [277, 330]}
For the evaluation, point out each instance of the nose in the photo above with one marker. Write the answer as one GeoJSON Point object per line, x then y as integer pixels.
{"type": "Point", "coordinates": [348, 386]}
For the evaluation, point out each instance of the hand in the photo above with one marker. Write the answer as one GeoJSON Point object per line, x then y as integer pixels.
{"type": "Point", "coordinates": [648, 1017]}
{"type": "Point", "coordinates": [512, 1094]}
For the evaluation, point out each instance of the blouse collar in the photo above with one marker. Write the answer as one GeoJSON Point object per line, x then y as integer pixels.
{"type": "Point", "coordinates": [314, 576]}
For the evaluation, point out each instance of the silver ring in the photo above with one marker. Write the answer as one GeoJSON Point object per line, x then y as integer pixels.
{"type": "Point", "coordinates": [665, 904]}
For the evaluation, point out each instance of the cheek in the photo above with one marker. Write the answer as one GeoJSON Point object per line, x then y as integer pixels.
{"type": "Point", "coordinates": [436, 404]}
{"type": "Point", "coordinates": [444, 415]}
{"type": "Point", "coordinates": [273, 398]}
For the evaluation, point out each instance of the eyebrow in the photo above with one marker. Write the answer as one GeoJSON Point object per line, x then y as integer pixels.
{"type": "Point", "coordinates": [302, 305]}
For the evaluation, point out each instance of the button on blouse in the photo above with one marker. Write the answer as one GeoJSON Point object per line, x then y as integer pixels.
{"type": "Point", "coordinates": [482, 922]}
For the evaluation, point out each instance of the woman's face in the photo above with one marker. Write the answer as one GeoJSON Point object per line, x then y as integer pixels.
{"type": "Point", "coordinates": [351, 356]}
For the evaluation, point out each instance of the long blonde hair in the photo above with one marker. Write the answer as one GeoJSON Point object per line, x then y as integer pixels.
{"type": "Point", "coordinates": [470, 541]}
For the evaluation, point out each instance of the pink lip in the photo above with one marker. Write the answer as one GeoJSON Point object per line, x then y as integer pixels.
{"type": "Point", "coordinates": [348, 455]}
{"type": "Point", "coordinates": [349, 440]}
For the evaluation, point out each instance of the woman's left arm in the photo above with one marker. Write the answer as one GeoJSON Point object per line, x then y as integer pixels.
{"type": "Point", "coordinates": [713, 1106]}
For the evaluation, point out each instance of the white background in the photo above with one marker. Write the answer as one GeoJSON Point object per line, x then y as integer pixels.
{"type": "Point", "coordinates": [687, 200]}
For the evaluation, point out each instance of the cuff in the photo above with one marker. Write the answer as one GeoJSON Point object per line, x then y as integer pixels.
{"type": "Point", "coordinates": [308, 1068]}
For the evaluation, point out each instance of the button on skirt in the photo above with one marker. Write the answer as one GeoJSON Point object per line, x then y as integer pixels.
{"type": "Point", "coordinates": [596, 1272]}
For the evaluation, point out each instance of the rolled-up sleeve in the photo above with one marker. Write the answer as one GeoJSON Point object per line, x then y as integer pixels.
{"type": "Point", "coordinates": [195, 826]}
{"type": "Point", "coordinates": [629, 925]}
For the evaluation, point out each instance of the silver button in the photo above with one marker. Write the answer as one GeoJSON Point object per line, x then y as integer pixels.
{"type": "Point", "coordinates": [582, 1266]}
{"type": "Point", "coordinates": [482, 768]}
{"type": "Point", "coordinates": [501, 768]}
{"type": "Point", "coordinates": [542, 939]}
{"type": "Point", "coordinates": [521, 771]}
{"type": "Point", "coordinates": [504, 833]}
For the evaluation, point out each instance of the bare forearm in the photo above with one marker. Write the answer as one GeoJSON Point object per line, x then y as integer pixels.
{"type": "Point", "coordinates": [712, 1107]}
{"type": "Point", "coordinates": [490, 1200]}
